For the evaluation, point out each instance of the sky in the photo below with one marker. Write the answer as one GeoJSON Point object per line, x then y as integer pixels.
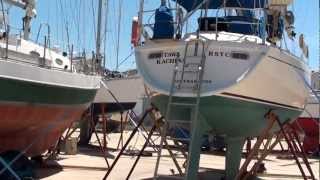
{"type": "Point", "coordinates": [79, 17]}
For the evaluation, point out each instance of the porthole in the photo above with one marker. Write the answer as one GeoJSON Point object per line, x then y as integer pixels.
{"type": "Point", "coordinates": [34, 54]}
{"type": "Point", "coordinates": [240, 55]}
{"type": "Point", "coordinates": [59, 62]}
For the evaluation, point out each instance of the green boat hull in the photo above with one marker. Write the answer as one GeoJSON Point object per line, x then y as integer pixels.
{"type": "Point", "coordinates": [227, 116]}
{"type": "Point", "coordinates": [235, 118]}
{"type": "Point", "coordinates": [31, 92]}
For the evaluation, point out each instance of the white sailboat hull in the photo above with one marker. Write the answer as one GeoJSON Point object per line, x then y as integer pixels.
{"type": "Point", "coordinates": [267, 75]}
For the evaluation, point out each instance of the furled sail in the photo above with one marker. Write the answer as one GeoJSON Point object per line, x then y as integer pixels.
{"type": "Point", "coordinates": [190, 5]}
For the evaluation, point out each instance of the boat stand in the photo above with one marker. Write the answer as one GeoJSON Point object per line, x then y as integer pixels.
{"type": "Point", "coordinates": [131, 116]}
{"type": "Point", "coordinates": [102, 146]}
{"type": "Point", "coordinates": [158, 123]}
{"type": "Point", "coordinates": [134, 131]}
{"type": "Point", "coordinates": [290, 136]}
{"type": "Point", "coordinates": [122, 123]}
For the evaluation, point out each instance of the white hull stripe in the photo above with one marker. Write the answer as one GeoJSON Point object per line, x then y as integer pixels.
{"type": "Point", "coordinates": [299, 68]}
{"type": "Point", "coordinates": [260, 100]}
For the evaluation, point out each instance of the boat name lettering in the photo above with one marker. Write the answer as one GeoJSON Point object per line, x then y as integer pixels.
{"type": "Point", "coordinates": [165, 57]}
{"type": "Point", "coordinates": [159, 55]}
{"type": "Point", "coordinates": [219, 53]}
{"type": "Point", "coordinates": [233, 54]}
{"type": "Point", "coordinates": [168, 61]}
{"type": "Point", "coordinates": [192, 81]}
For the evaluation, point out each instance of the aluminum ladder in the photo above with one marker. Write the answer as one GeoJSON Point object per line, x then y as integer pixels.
{"type": "Point", "coordinates": [192, 66]}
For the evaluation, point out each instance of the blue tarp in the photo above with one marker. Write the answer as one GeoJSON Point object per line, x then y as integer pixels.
{"type": "Point", "coordinates": [189, 5]}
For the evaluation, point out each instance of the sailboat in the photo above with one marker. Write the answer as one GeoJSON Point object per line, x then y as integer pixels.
{"type": "Point", "coordinates": [231, 69]}
{"type": "Point", "coordinates": [41, 94]}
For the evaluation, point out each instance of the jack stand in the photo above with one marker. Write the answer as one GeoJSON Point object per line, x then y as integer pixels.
{"type": "Point", "coordinates": [144, 147]}
{"type": "Point", "coordinates": [103, 148]}
{"type": "Point", "coordinates": [158, 123]}
{"type": "Point", "coordinates": [287, 132]}
{"type": "Point", "coordinates": [104, 129]}
{"type": "Point", "coordinates": [295, 148]}
{"type": "Point", "coordinates": [135, 130]}
{"type": "Point", "coordinates": [271, 119]}
{"type": "Point", "coordinates": [121, 131]}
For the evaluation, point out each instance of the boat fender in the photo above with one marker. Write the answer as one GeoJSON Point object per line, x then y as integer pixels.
{"type": "Point", "coordinates": [135, 32]}
{"type": "Point", "coordinates": [303, 46]}
{"type": "Point", "coordinates": [289, 22]}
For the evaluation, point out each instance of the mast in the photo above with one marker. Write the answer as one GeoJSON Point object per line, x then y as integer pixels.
{"type": "Point", "coordinates": [30, 7]}
{"type": "Point", "coordinates": [140, 19]}
{"type": "Point", "coordinates": [98, 41]}
{"type": "Point", "coordinates": [100, 57]}
{"type": "Point", "coordinates": [119, 31]}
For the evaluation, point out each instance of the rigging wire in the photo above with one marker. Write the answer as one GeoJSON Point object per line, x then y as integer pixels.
{"type": "Point", "coordinates": [56, 25]}
{"type": "Point", "coordinates": [125, 59]}
{"type": "Point", "coordinates": [65, 22]}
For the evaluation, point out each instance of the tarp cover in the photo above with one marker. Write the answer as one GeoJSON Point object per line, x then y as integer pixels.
{"type": "Point", "coordinates": [189, 5]}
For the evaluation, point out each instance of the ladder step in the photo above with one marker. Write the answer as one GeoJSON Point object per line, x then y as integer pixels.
{"type": "Point", "coordinates": [192, 64]}
{"type": "Point", "coordinates": [179, 121]}
{"type": "Point", "coordinates": [179, 139]}
{"type": "Point", "coordinates": [189, 71]}
{"type": "Point", "coordinates": [182, 104]}
{"type": "Point", "coordinates": [169, 177]}
{"type": "Point", "coordinates": [194, 87]}
{"type": "Point", "coordinates": [193, 56]}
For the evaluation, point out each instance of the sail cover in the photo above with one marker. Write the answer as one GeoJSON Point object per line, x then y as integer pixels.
{"type": "Point", "coordinates": [190, 5]}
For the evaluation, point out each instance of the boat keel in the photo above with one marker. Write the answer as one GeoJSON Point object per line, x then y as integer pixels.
{"type": "Point", "coordinates": [233, 156]}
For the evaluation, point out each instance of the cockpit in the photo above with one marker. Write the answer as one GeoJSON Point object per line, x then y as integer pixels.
{"type": "Point", "coordinates": [247, 21]}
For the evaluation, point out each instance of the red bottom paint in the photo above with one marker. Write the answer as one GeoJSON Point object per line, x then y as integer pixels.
{"type": "Point", "coordinates": [310, 127]}
{"type": "Point", "coordinates": [34, 129]}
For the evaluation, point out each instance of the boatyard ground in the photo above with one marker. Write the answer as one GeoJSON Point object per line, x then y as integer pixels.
{"type": "Point", "coordinates": [89, 164]}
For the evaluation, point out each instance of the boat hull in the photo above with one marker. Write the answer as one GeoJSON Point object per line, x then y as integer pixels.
{"type": "Point", "coordinates": [268, 73]}
{"type": "Point", "coordinates": [34, 128]}
{"type": "Point", "coordinates": [241, 79]}
{"type": "Point", "coordinates": [228, 116]}
{"type": "Point", "coordinates": [128, 91]}
{"type": "Point", "coordinates": [34, 114]}
{"type": "Point", "coordinates": [308, 125]}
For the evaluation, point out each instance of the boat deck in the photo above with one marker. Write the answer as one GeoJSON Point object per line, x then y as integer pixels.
{"type": "Point", "coordinates": [89, 164]}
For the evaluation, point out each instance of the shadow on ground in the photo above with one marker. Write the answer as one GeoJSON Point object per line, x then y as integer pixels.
{"type": "Point", "coordinates": [48, 169]}
{"type": "Point", "coordinates": [93, 150]}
